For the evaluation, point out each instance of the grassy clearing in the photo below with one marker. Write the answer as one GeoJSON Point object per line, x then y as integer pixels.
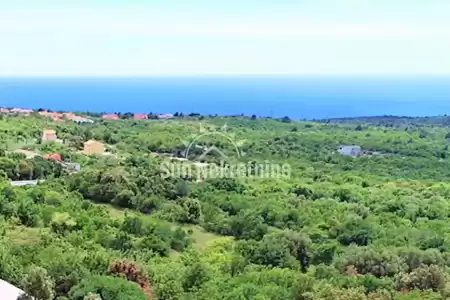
{"type": "Point", "coordinates": [199, 235]}
{"type": "Point", "coordinates": [21, 235]}
{"type": "Point", "coordinates": [118, 213]}
{"type": "Point", "coordinates": [18, 144]}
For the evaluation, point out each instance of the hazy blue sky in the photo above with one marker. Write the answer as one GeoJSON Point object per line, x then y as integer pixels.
{"type": "Point", "coordinates": [113, 37]}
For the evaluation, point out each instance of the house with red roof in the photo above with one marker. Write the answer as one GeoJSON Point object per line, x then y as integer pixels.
{"type": "Point", "coordinates": [49, 135]}
{"type": "Point", "coordinates": [140, 116]}
{"type": "Point", "coordinates": [54, 115]}
{"type": "Point", "coordinates": [53, 156]}
{"type": "Point", "coordinates": [68, 115]}
{"type": "Point", "coordinates": [110, 117]}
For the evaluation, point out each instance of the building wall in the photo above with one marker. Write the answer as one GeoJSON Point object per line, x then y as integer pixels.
{"type": "Point", "coordinates": [49, 136]}
{"type": "Point", "coordinates": [350, 150]}
{"type": "Point", "coordinates": [94, 148]}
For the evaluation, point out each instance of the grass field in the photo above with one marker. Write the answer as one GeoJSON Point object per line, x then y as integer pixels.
{"type": "Point", "coordinates": [21, 235]}
{"type": "Point", "coordinates": [199, 235]}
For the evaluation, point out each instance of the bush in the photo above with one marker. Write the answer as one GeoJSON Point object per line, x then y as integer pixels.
{"type": "Point", "coordinates": [109, 288]}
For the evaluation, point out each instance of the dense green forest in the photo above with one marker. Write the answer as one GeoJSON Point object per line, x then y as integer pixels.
{"type": "Point", "coordinates": [337, 228]}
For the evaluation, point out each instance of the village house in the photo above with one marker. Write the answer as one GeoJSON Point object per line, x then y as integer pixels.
{"type": "Point", "coordinates": [49, 135]}
{"type": "Point", "coordinates": [45, 113]}
{"type": "Point", "coordinates": [110, 117]}
{"type": "Point", "coordinates": [23, 183]}
{"type": "Point", "coordinates": [65, 115]}
{"type": "Point", "coordinates": [81, 120]}
{"type": "Point", "coordinates": [70, 166]}
{"type": "Point", "coordinates": [53, 115]}
{"type": "Point", "coordinates": [140, 116]}
{"type": "Point", "coordinates": [21, 111]}
{"type": "Point", "coordinates": [53, 156]}
{"type": "Point", "coordinates": [93, 147]}
{"type": "Point", "coordinates": [350, 150]}
{"type": "Point", "coordinates": [165, 116]}
{"type": "Point", "coordinates": [73, 166]}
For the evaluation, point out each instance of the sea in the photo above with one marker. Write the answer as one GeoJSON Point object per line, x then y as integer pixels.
{"type": "Point", "coordinates": [298, 97]}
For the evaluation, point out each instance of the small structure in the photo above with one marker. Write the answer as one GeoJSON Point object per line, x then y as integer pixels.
{"type": "Point", "coordinates": [350, 150]}
{"type": "Point", "coordinates": [56, 116]}
{"type": "Point", "coordinates": [140, 116]}
{"type": "Point", "coordinates": [49, 135]}
{"type": "Point", "coordinates": [21, 111]}
{"type": "Point", "coordinates": [53, 156]}
{"type": "Point", "coordinates": [22, 183]}
{"type": "Point", "coordinates": [165, 116]}
{"type": "Point", "coordinates": [93, 147]}
{"type": "Point", "coordinates": [110, 117]}
{"type": "Point", "coordinates": [81, 120]}
{"type": "Point", "coordinates": [9, 291]}
{"type": "Point", "coordinates": [56, 157]}
{"type": "Point", "coordinates": [73, 166]}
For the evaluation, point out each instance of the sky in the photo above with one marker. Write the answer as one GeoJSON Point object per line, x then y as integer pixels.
{"type": "Point", "coordinates": [198, 37]}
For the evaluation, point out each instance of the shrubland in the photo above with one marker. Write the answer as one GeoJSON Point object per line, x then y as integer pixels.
{"type": "Point", "coordinates": [372, 227]}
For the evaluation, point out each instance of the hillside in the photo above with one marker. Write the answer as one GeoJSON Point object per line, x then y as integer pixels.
{"type": "Point", "coordinates": [393, 120]}
{"type": "Point", "coordinates": [321, 226]}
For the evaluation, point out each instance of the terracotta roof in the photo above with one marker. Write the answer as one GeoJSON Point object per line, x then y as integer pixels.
{"type": "Point", "coordinates": [140, 116]}
{"type": "Point", "coordinates": [110, 116]}
{"type": "Point", "coordinates": [54, 156]}
{"type": "Point", "coordinates": [56, 116]}
{"type": "Point", "coordinates": [92, 142]}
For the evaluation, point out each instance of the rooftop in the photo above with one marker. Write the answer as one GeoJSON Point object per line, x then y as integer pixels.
{"type": "Point", "coordinates": [110, 116]}
{"type": "Point", "coordinates": [140, 116]}
{"type": "Point", "coordinates": [92, 142]}
{"type": "Point", "coordinates": [8, 291]}
{"type": "Point", "coordinates": [54, 156]}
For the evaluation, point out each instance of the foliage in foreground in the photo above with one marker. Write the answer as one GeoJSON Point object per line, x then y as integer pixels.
{"type": "Point", "coordinates": [366, 228]}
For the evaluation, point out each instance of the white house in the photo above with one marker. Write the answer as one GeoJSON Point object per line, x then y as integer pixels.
{"type": "Point", "coordinates": [23, 183]}
{"type": "Point", "coordinates": [352, 150]}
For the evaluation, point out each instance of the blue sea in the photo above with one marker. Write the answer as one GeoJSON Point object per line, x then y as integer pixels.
{"type": "Point", "coordinates": [299, 97]}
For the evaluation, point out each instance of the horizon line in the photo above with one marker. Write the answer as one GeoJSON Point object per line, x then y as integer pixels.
{"type": "Point", "coordinates": [101, 76]}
